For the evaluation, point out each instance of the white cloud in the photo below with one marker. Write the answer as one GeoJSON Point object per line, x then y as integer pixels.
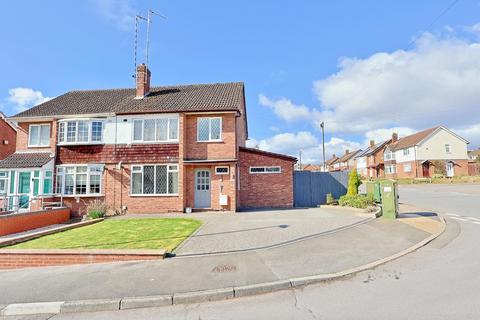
{"type": "Point", "coordinates": [471, 133]}
{"type": "Point", "coordinates": [24, 98]}
{"type": "Point", "coordinates": [119, 12]}
{"type": "Point", "coordinates": [286, 109]}
{"type": "Point", "coordinates": [306, 142]}
{"type": "Point", "coordinates": [437, 82]}
{"type": "Point", "coordinates": [379, 135]}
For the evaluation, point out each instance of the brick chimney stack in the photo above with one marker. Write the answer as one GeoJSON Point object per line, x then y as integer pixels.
{"type": "Point", "coordinates": [143, 81]}
{"type": "Point", "coordinates": [333, 156]}
{"type": "Point", "coordinates": [394, 137]}
{"type": "Point", "coordinates": [372, 143]}
{"type": "Point", "coordinates": [347, 151]}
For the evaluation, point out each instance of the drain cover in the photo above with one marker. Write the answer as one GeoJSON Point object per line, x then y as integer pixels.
{"type": "Point", "coordinates": [224, 268]}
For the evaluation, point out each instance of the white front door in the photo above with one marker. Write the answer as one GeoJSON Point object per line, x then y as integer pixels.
{"type": "Point", "coordinates": [450, 170]}
{"type": "Point", "coordinates": [202, 188]}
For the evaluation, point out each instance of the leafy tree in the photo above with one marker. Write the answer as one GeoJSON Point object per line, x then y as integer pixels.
{"type": "Point", "coordinates": [354, 181]}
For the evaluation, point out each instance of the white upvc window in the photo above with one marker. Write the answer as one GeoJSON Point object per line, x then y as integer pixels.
{"type": "Point", "coordinates": [263, 170]}
{"type": "Point", "coordinates": [448, 148]}
{"type": "Point", "coordinates": [389, 155]}
{"type": "Point", "coordinates": [407, 167]}
{"type": "Point", "coordinates": [79, 180]}
{"type": "Point", "coordinates": [80, 132]}
{"type": "Point", "coordinates": [154, 180]}
{"type": "Point", "coordinates": [39, 135]}
{"type": "Point", "coordinates": [406, 151]}
{"type": "Point", "coordinates": [3, 182]}
{"type": "Point", "coordinates": [390, 169]}
{"type": "Point", "coordinates": [209, 129]}
{"type": "Point", "coordinates": [155, 130]}
{"type": "Point", "coordinates": [222, 170]}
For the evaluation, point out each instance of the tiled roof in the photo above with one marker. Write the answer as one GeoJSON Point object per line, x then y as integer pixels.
{"type": "Point", "coordinates": [331, 161]}
{"type": "Point", "coordinates": [269, 154]}
{"type": "Point", "coordinates": [182, 98]}
{"type": "Point", "coordinates": [348, 156]}
{"type": "Point", "coordinates": [412, 139]}
{"type": "Point", "coordinates": [26, 160]}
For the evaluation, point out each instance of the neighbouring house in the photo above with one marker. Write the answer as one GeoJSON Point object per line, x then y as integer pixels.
{"type": "Point", "coordinates": [146, 149]}
{"type": "Point", "coordinates": [8, 138]}
{"type": "Point", "coordinates": [474, 162]}
{"type": "Point", "coordinates": [311, 167]}
{"type": "Point", "coordinates": [347, 161]}
{"type": "Point", "coordinates": [370, 162]}
{"type": "Point", "coordinates": [330, 163]}
{"type": "Point", "coordinates": [437, 150]}
{"type": "Point", "coordinates": [474, 155]}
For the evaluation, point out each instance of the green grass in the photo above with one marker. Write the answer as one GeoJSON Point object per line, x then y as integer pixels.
{"type": "Point", "coordinates": [147, 233]}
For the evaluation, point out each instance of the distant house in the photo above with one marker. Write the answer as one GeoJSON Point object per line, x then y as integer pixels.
{"type": "Point", "coordinates": [330, 163]}
{"type": "Point", "coordinates": [370, 162]}
{"type": "Point", "coordinates": [8, 136]}
{"type": "Point", "coordinates": [474, 155]}
{"type": "Point", "coordinates": [425, 153]}
{"type": "Point", "coordinates": [311, 167]}
{"type": "Point", "coordinates": [347, 161]}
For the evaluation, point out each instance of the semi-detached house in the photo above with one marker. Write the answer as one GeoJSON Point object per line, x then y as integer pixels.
{"type": "Point", "coordinates": [145, 149]}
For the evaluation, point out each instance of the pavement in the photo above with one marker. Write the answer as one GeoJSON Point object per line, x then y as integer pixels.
{"type": "Point", "coordinates": [239, 273]}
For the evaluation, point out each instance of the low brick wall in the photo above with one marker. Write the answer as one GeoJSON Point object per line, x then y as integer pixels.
{"type": "Point", "coordinates": [18, 258]}
{"type": "Point", "coordinates": [19, 222]}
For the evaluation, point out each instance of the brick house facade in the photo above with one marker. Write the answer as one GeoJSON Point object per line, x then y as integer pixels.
{"type": "Point", "coordinates": [432, 151]}
{"type": "Point", "coordinates": [149, 149]}
{"type": "Point", "coordinates": [8, 137]}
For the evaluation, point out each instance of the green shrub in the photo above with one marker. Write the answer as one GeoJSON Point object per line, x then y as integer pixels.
{"type": "Point", "coordinates": [96, 209]}
{"type": "Point", "coordinates": [330, 199]}
{"type": "Point", "coordinates": [356, 201]}
{"type": "Point", "coordinates": [354, 181]}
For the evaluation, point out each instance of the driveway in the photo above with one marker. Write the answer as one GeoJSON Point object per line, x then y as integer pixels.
{"type": "Point", "coordinates": [233, 232]}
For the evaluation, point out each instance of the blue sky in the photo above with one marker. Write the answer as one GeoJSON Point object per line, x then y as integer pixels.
{"type": "Point", "coordinates": [349, 63]}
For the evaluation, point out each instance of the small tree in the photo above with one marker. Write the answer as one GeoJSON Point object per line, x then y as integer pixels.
{"type": "Point", "coordinates": [354, 181]}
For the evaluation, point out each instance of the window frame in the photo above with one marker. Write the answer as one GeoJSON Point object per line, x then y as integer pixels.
{"type": "Point", "coordinates": [134, 169]}
{"type": "Point", "coordinates": [406, 151]}
{"type": "Point", "coordinates": [40, 125]}
{"type": "Point", "coordinates": [448, 148]}
{"type": "Point", "coordinates": [409, 166]}
{"type": "Point", "coordinates": [265, 168]}
{"type": "Point", "coordinates": [62, 140]}
{"type": "Point", "coordinates": [220, 139]}
{"type": "Point", "coordinates": [155, 134]}
{"type": "Point", "coordinates": [61, 172]}
{"type": "Point", "coordinates": [4, 177]}
{"type": "Point", "coordinates": [392, 169]}
{"type": "Point", "coordinates": [222, 167]}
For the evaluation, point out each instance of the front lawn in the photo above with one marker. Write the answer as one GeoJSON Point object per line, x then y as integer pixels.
{"type": "Point", "coordinates": [147, 233]}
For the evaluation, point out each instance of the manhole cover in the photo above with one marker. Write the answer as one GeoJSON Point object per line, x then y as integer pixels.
{"type": "Point", "coordinates": [224, 268]}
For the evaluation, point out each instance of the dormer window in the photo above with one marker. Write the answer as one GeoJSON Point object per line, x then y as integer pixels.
{"type": "Point", "coordinates": [39, 135]}
{"type": "Point", "coordinates": [80, 132]}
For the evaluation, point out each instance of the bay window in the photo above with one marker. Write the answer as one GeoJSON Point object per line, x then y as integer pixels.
{"type": "Point", "coordinates": [154, 179]}
{"type": "Point", "coordinates": [39, 135]}
{"type": "Point", "coordinates": [155, 130]}
{"type": "Point", "coordinates": [3, 182]}
{"type": "Point", "coordinates": [80, 131]}
{"type": "Point", "coordinates": [79, 180]}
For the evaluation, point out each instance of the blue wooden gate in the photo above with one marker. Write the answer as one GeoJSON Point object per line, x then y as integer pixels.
{"type": "Point", "coordinates": [311, 188]}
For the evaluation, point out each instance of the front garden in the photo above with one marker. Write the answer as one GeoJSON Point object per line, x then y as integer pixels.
{"type": "Point", "coordinates": [134, 233]}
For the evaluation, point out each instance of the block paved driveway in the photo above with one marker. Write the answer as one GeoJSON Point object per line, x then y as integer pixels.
{"type": "Point", "coordinates": [231, 232]}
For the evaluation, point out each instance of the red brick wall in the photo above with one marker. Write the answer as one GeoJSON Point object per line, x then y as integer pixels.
{"type": "Point", "coordinates": [19, 222]}
{"type": "Point", "coordinates": [15, 259]}
{"type": "Point", "coordinates": [265, 190]}
{"type": "Point", "coordinates": [226, 149]}
{"type": "Point", "coordinates": [8, 139]}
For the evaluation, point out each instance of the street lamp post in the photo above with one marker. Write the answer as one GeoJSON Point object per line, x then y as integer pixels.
{"type": "Point", "coordinates": [322, 125]}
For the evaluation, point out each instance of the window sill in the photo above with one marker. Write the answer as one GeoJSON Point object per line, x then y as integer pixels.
{"type": "Point", "coordinates": [42, 146]}
{"type": "Point", "coordinates": [82, 195]}
{"type": "Point", "coordinates": [65, 144]}
{"type": "Point", "coordinates": [211, 141]}
{"type": "Point", "coordinates": [154, 142]}
{"type": "Point", "coordinates": [154, 195]}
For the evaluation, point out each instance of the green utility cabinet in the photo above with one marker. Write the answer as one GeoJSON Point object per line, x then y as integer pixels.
{"type": "Point", "coordinates": [373, 190]}
{"type": "Point", "coordinates": [389, 195]}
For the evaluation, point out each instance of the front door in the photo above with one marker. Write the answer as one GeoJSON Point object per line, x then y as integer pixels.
{"type": "Point", "coordinates": [24, 188]}
{"type": "Point", "coordinates": [202, 188]}
{"type": "Point", "coordinates": [450, 170]}
{"type": "Point", "coordinates": [426, 169]}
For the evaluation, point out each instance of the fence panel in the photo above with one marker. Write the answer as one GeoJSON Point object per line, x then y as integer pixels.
{"type": "Point", "coordinates": [311, 188]}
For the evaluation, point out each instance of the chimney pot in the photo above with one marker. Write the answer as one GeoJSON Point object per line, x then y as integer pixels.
{"type": "Point", "coordinates": [347, 151]}
{"type": "Point", "coordinates": [372, 143]}
{"type": "Point", "coordinates": [143, 81]}
{"type": "Point", "coordinates": [394, 137]}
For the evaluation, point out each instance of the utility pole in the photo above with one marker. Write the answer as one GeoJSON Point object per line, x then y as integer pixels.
{"type": "Point", "coordinates": [322, 125]}
{"type": "Point", "coordinates": [300, 160]}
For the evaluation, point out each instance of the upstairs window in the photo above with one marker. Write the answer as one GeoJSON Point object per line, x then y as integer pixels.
{"type": "Point", "coordinates": [39, 135]}
{"type": "Point", "coordinates": [209, 129]}
{"type": "Point", "coordinates": [389, 155]}
{"type": "Point", "coordinates": [406, 152]}
{"type": "Point", "coordinates": [448, 148]}
{"type": "Point", "coordinates": [155, 130]}
{"type": "Point", "coordinates": [80, 131]}
{"type": "Point", "coordinates": [3, 182]}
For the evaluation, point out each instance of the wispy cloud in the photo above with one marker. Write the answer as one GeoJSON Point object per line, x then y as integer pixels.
{"type": "Point", "coordinates": [120, 13]}
{"type": "Point", "coordinates": [24, 98]}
